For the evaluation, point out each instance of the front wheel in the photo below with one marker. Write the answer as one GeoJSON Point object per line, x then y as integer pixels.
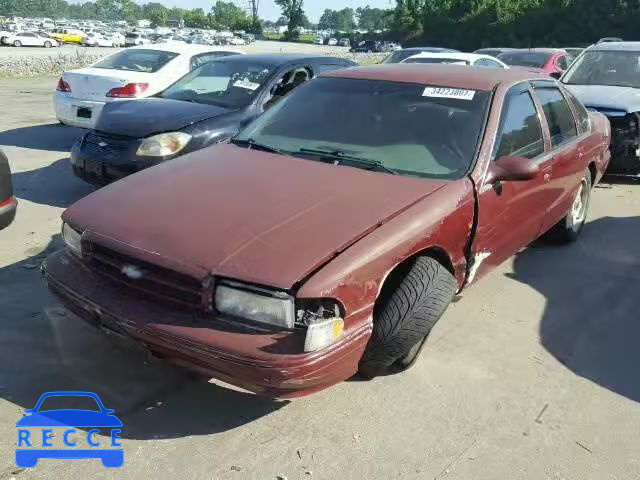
{"type": "Point", "coordinates": [409, 307]}
{"type": "Point", "coordinates": [568, 229]}
{"type": "Point", "coordinates": [17, 43]}
{"type": "Point", "coordinates": [47, 44]}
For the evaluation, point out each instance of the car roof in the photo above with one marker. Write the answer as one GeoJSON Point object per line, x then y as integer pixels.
{"type": "Point", "coordinates": [536, 50]}
{"type": "Point", "coordinates": [619, 46]}
{"type": "Point", "coordinates": [184, 48]}
{"type": "Point", "coordinates": [428, 49]}
{"type": "Point", "coordinates": [438, 74]}
{"type": "Point", "coordinates": [281, 58]}
{"type": "Point", "coordinates": [452, 55]}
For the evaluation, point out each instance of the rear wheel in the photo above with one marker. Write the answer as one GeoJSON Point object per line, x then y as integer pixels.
{"type": "Point", "coordinates": [568, 229]}
{"type": "Point", "coordinates": [17, 43]}
{"type": "Point", "coordinates": [408, 308]}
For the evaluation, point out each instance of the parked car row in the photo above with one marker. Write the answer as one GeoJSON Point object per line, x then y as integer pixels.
{"type": "Point", "coordinates": [286, 250]}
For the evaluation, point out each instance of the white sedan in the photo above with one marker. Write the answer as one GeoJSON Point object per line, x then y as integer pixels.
{"type": "Point", "coordinates": [97, 40]}
{"type": "Point", "coordinates": [457, 58]}
{"type": "Point", "coordinates": [136, 72]}
{"type": "Point", "coordinates": [30, 39]}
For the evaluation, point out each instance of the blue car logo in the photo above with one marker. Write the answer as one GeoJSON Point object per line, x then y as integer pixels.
{"type": "Point", "coordinates": [35, 434]}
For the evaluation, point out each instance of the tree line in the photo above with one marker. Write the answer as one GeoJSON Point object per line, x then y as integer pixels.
{"type": "Point", "coordinates": [471, 24]}
{"type": "Point", "coordinates": [462, 24]}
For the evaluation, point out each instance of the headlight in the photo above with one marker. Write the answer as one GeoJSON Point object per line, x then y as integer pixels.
{"type": "Point", "coordinates": [274, 308]}
{"type": "Point", "coordinates": [73, 239]}
{"type": "Point", "coordinates": [163, 144]}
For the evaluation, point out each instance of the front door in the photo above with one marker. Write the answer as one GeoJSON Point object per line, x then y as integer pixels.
{"type": "Point", "coordinates": [511, 213]}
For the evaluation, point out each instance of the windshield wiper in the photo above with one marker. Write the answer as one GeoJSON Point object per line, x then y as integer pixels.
{"type": "Point", "coordinates": [341, 157]}
{"type": "Point", "coordinates": [251, 143]}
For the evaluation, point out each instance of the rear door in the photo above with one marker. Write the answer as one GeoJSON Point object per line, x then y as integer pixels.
{"type": "Point", "coordinates": [567, 168]}
{"type": "Point", "coordinates": [511, 213]}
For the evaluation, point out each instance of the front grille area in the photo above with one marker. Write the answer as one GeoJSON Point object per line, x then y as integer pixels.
{"type": "Point", "coordinates": [151, 280]}
{"type": "Point", "coordinates": [110, 146]}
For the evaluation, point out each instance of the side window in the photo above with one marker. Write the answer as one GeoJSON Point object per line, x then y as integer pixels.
{"type": "Point", "coordinates": [583, 116]}
{"type": "Point", "coordinates": [562, 62]}
{"type": "Point", "coordinates": [203, 58]}
{"type": "Point", "coordinates": [562, 125]}
{"type": "Point", "coordinates": [520, 133]}
{"type": "Point", "coordinates": [286, 83]}
{"type": "Point", "coordinates": [485, 62]}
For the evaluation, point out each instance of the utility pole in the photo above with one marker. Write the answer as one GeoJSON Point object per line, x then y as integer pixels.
{"type": "Point", "coordinates": [253, 8]}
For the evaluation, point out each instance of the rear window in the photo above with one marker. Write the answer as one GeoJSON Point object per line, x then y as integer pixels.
{"type": "Point", "coordinates": [525, 59]}
{"type": "Point", "coordinates": [148, 61]}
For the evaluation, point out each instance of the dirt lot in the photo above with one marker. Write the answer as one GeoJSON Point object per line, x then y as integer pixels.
{"type": "Point", "coordinates": [532, 375]}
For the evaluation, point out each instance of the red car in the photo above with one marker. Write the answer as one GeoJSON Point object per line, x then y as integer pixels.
{"type": "Point", "coordinates": [548, 61]}
{"type": "Point", "coordinates": [331, 234]}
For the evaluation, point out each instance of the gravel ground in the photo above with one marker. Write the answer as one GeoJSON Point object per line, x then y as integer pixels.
{"type": "Point", "coordinates": [28, 62]}
{"type": "Point", "coordinates": [532, 375]}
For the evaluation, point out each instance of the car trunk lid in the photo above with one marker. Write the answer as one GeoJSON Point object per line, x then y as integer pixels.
{"type": "Point", "coordinates": [93, 84]}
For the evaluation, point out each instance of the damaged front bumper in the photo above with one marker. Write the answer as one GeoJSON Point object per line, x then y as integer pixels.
{"type": "Point", "coordinates": [625, 144]}
{"type": "Point", "coordinates": [268, 363]}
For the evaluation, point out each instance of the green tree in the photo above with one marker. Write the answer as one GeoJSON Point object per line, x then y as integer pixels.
{"type": "Point", "coordinates": [292, 11]}
{"type": "Point", "coordinates": [229, 15]}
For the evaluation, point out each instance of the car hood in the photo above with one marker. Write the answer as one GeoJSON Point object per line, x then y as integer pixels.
{"type": "Point", "coordinates": [144, 117]}
{"type": "Point", "coordinates": [244, 214]}
{"type": "Point", "coordinates": [607, 99]}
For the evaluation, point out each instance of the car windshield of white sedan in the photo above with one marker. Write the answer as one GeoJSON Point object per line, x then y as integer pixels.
{"type": "Point", "coordinates": [614, 68]}
{"type": "Point", "coordinates": [228, 84]}
{"type": "Point", "coordinates": [400, 128]}
{"type": "Point", "coordinates": [137, 60]}
{"type": "Point", "coordinates": [450, 61]}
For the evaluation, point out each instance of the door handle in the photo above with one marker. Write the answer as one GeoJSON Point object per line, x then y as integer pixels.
{"type": "Point", "coordinates": [546, 177]}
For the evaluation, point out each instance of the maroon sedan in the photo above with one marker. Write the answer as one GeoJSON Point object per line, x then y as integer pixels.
{"type": "Point", "coordinates": [332, 233]}
{"type": "Point", "coordinates": [548, 61]}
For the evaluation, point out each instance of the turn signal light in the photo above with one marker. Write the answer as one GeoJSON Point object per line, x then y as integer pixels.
{"type": "Point", "coordinates": [131, 90]}
{"type": "Point", "coordinates": [63, 86]}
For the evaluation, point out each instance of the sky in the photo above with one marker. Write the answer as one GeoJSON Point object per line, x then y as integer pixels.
{"type": "Point", "coordinates": [269, 10]}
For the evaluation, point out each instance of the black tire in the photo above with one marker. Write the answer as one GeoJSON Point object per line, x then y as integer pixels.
{"type": "Point", "coordinates": [47, 44]}
{"type": "Point", "coordinates": [406, 312]}
{"type": "Point", "coordinates": [568, 229]}
{"type": "Point", "coordinates": [17, 43]}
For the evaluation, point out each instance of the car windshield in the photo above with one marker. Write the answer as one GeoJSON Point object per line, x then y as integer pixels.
{"type": "Point", "coordinates": [138, 60]}
{"type": "Point", "coordinates": [399, 55]}
{"type": "Point", "coordinates": [452, 61]}
{"type": "Point", "coordinates": [525, 59]}
{"type": "Point", "coordinates": [229, 84]}
{"type": "Point", "coordinates": [605, 67]}
{"type": "Point", "coordinates": [404, 128]}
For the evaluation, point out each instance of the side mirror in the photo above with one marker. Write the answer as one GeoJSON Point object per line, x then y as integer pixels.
{"type": "Point", "coordinates": [512, 169]}
{"type": "Point", "coordinates": [556, 75]}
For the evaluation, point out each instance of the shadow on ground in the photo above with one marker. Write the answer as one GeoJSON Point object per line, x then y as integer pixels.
{"type": "Point", "coordinates": [591, 323]}
{"type": "Point", "coordinates": [50, 137]}
{"type": "Point", "coordinates": [53, 185]}
{"type": "Point", "coordinates": [45, 348]}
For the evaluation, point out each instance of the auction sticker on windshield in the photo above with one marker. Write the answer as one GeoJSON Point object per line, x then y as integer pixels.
{"type": "Point", "coordinates": [247, 85]}
{"type": "Point", "coordinates": [444, 92]}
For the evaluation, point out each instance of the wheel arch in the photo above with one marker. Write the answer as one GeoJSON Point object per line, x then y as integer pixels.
{"type": "Point", "coordinates": [394, 275]}
{"type": "Point", "coordinates": [593, 171]}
